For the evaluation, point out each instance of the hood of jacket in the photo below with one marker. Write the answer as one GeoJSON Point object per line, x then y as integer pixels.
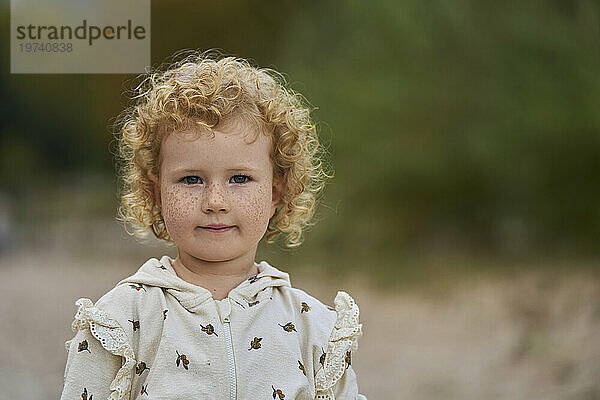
{"type": "Point", "coordinates": [160, 273]}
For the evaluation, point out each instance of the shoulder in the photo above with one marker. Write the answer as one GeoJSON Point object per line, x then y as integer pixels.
{"type": "Point", "coordinates": [306, 304]}
{"type": "Point", "coordinates": [120, 307]}
{"type": "Point", "coordinates": [343, 302]}
{"type": "Point", "coordinates": [323, 320]}
{"type": "Point", "coordinates": [130, 296]}
{"type": "Point", "coordinates": [124, 298]}
{"type": "Point", "coordinates": [105, 317]}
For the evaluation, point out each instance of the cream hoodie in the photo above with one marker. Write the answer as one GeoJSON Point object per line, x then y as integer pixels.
{"type": "Point", "coordinates": [156, 336]}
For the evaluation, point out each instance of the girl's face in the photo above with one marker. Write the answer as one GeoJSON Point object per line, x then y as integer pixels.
{"type": "Point", "coordinates": [206, 181]}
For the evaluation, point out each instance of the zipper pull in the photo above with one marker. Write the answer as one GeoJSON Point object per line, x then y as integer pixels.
{"type": "Point", "coordinates": [224, 308]}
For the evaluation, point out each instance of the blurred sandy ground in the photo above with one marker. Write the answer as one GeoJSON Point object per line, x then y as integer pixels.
{"type": "Point", "coordinates": [529, 335]}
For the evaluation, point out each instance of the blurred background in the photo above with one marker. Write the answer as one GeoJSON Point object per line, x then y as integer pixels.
{"type": "Point", "coordinates": [464, 215]}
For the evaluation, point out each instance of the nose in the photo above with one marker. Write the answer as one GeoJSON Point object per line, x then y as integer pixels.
{"type": "Point", "coordinates": [214, 199]}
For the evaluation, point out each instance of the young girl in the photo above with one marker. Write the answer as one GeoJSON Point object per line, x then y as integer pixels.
{"type": "Point", "coordinates": [216, 153]}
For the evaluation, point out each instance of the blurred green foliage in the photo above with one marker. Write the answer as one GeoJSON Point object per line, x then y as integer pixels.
{"type": "Point", "coordinates": [465, 125]}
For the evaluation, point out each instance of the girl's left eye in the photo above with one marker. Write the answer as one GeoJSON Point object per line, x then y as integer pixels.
{"type": "Point", "coordinates": [240, 178]}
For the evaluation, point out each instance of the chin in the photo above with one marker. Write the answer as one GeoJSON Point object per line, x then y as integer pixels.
{"type": "Point", "coordinates": [212, 256]}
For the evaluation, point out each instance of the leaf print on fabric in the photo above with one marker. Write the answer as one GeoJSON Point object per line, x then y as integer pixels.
{"type": "Point", "coordinates": [84, 395]}
{"type": "Point", "coordinates": [181, 358]}
{"type": "Point", "coordinates": [144, 390]}
{"type": "Point", "coordinates": [83, 346]}
{"type": "Point", "coordinates": [136, 324]}
{"type": "Point", "coordinates": [348, 358]}
{"type": "Point", "coordinates": [161, 267]}
{"type": "Point", "coordinates": [253, 279]}
{"type": "Point", "coordinates": [137, 286]}
{"type": "Point", "coordinates": [255, 344]}
{"type": "Point", "coordinates": [165, 314]}
{"type": "Point", "coordinates": [278, 392]}
{"type": "Point", "coordinates": [305, 308]}
{"type": "Point", "coordinates": [250, 304]}
{"type": "Point", "coordinates": [322, 358]}
{"type": "Point", "coordinates": [209, 329]}
{"type": "Point", "coordinates": [289, 327]}
{"type": "Point", "coordinates": [301, 366]}
{"type": "Point", "coordinates": [141, 367]}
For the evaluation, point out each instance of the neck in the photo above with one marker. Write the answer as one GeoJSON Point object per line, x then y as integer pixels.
{"type": "Point", "coordinates": [218, 277]}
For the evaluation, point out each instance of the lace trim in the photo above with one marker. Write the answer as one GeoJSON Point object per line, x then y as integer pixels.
{"type": "Point", "coordinates": [344, 337]}
{"type": "Point", "coordinates": [112, 337]}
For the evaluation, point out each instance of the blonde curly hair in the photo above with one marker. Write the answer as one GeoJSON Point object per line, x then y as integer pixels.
{"type": "Point", "coordinates": [206, 89]}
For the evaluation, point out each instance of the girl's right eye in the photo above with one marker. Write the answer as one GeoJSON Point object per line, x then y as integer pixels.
{"type": "Point", "coordinates": [191, 180]}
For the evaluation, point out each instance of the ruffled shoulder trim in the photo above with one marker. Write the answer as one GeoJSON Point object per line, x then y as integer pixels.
{"type": "Point", "coordinates": [343, 339]}
{"type": "Point", "coordinates": [113, 338]}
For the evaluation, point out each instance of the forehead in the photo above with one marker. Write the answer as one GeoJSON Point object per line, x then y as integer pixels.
{"type": "Point", "coordinates": [231, 145]}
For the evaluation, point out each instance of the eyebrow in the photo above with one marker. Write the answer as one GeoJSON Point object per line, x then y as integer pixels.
{"type": "Point", "coordinates": [240, 168]}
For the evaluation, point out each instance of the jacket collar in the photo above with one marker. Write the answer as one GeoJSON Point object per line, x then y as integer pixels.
{"type": "Point", "coordinates": [160, 273]}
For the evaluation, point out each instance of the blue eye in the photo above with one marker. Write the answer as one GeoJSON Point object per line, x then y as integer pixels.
{"type": "Point", "coordinates": [191, 180]}
{"type": "Point", "coordinates": [244, 178]}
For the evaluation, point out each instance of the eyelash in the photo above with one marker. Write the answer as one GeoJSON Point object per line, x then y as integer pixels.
{"type": "Point", "coordinates": [248, 179]}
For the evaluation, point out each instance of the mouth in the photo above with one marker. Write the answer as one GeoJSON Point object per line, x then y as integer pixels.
{"type": "Point", "coordinates": [217, 230]}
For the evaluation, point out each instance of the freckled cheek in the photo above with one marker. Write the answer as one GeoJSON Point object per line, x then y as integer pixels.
{"type": "Point", "coordinates": [179, 209]}
{"type": "Point", "coordinates": [257, 207]}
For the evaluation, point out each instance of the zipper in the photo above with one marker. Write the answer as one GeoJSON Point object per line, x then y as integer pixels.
{"type": "Point", "coordinates": [230, 359]}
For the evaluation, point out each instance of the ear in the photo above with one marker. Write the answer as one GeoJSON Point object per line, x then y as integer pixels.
{"type": "Point", "coordinates": [156, 188]}
{"type": "Point", "coordinates": [277, 193]}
